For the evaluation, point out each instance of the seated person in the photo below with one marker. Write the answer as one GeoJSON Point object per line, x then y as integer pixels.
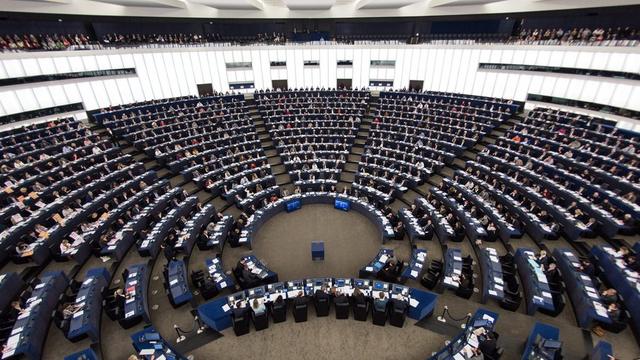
{"type": "Point", "coordinates": [542, 259]}
{"type": "Point", "coordinates": [258, 307]}
{"type": "Point", "coordinates": [391, 271]}
{"type": "Point", "coordinates": [24, 249]}
{"type": "Point", "coordinates": [492, 231]}
{"type": "Point", "coordinates": [458, 232]}
{"type": "Point", "coordinates": [321, 293]}
{"type": "Point", "coordinates": [633, 263]}
{"type": "Point", "coordinates": [358, 297]}
{"type": "Point", "coordinates": [245, 275]}
{"type": "Point", "coordinates": [553, 277]}
{"type": "Point", "coordinates": [70, 309]}
{"type": "Point", "coordinates": [66, 247]}
{"type": "Point", "coordinates": [398, 231]}
{"type": "Point", "coordinates": [587, 267]}
{"type": "Point", "coordinates": [488, 345]}
{"type": "Point", "coordinates": [15, 310]}
{"type": "Point", "coordinates": [300, 299]}
{"type": "Point", "coordinates": [614, 312]}
{"type": "Point", "coordinates": [380, 302]}
{"type": "Point", "coordinates": [609, 296]}
{"type": "Point", "coordinates": [428, 229]}
{"type": "Point", "coordinates": [239, 310]}
{"type": "Point", "coordinates": [399, 304]}
{"type": "Point", "coordinates": [339, 297]}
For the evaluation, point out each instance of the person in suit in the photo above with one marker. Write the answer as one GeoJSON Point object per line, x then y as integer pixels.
{"type": "Point", "coordinates": [542, 259]}
{"type": "Point", "coordinates": [613, 310]}
{"type": "Point", "coordinates": [399, 304]}
{"type": "Point", "coordinates": [380, 302]}
{"type": "Point", "coordinates": [553, 276]}
{"type": "Point", "coordinates": [609, 296]}
{"type": "Point", "coordinates": [245, 275]}
{"type": "Point", "coordinates": [428, 230]}
{"type": "Point", "coordinates": [587, 267]}
{"type": "Point", "coordinates": [633, 263]}
{"type": "Point", "coordinates": [240, 311]}
{"type": "Point", "coordinates": [300, 299]}
{"type": "Point", "coordinates": [358, 297]}
{"type": "Point", "coordinates": [390, 272]}
{"type": "Point", "coordinates": [321, 294]}
{"type": "Point", "coordinates": [339, 297]}
{"type": "Point", "coordinates": [489, 345]}
{"type": "Point", "coordinates": [458, 232]}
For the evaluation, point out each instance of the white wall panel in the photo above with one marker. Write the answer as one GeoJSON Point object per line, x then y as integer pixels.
{"type": "Point", "coordinates": [3, 72]}
{"type": "Point", "coordinates": [28, 100]}
{"type": "Point", "coordinates": [14, 68]}
{"type": "Point", "coordinates": [167, 73]}
{"type": "Point", "coordinates": [58, 95]}
{"type": "Point", "coordinates": [10, 102]}
{"type": "Point", "coordinates": [47, 66]}
{"type": "Point", "coordinates": [31, 67]}
{"type": "Point", "coordinates": [43, 97]}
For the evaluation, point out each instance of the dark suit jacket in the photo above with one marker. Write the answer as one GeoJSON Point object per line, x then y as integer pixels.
{"type": "Point", "coordinates": [488, 347]}
{"type": "Point", "coordinates": [302, 300]}
{"type": "Point", "coordinates": [341, 299]}
{"type": "Point", "coordinates": [399, 305]}
{"type": "Point", "coordinates": [240, 312]}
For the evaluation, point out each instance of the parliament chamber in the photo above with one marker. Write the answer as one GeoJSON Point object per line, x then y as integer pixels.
{"type": "Point", "coordinates": [364, 179]}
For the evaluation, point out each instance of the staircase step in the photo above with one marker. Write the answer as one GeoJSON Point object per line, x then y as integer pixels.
{"type": "Point", "coordinates": [283, 179]}
{"type": "Point", "coordinates": [353, 167]}
{"type": "Point", "coordinates": [347, 176]}
{"type": "Point", "coordinates": [274, 160]}
{"type": "Point", "coordinates": [278, 168]}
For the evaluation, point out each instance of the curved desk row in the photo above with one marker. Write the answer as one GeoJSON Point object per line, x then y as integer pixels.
{"type": "Point", "coordinates": [472, 226]}
{"type": "Point", "coordinates": [218, 237]}
{"type": "Point", "coordinates": [192, 229]}
{"type": "Point", "coordinates": [30, 329]}
{"type": "Point", "coordinates": [86, 321]}
{"type": "Point", "coordinates": [10, 286]}
{"type": "Point", "coordinates": [621, 278]}
{"type": "Point", "coordinates": [583, 292]}
{"type": "Point", "coordinates": [177, 283]}
{"type": "Point", "coordinates": [81, 246]}
{"type": "Point", "coordinates": [532, 224]}
{"type": "Point", "coordinates": [138, 199]}
{"type": "Point", "coordinates": [153, 201]}
{"type": "Point", "coordinates": [444, 231]}
{"type": "Point", "coordinates": [262, 215]}
{"type": "Point", "coordinates": [151, 245]}
{"type": "Point", "coordinates": [136, 279]}
{"type": "Point", "coordinates": [534, 281]}
{"type": "Point", "coordinates": [217, 314]}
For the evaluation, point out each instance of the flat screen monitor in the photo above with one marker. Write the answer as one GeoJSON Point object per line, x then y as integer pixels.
{"type": "Point", "coordinates": [294, 205]}
{"type": "Point", "coordinates": [343, 205]}
{"type": "Point", "coordinates": [551, 344]}
{"type": "Point", "coordinates": [481, 323]}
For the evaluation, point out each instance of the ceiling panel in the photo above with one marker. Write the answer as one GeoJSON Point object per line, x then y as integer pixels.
{"type": "Point", "coordinates": [435, 3]}
{"type": "Point", "coordinates": [49, 1]}
{"type": "Point", "coordinates": [309, 4]}
{"type": "Point", "coordinates": [147, 3]}
{"type": "Point", "coordinates": [232, 4]}
{"type": "Point", "coordinates": [384, 4]}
